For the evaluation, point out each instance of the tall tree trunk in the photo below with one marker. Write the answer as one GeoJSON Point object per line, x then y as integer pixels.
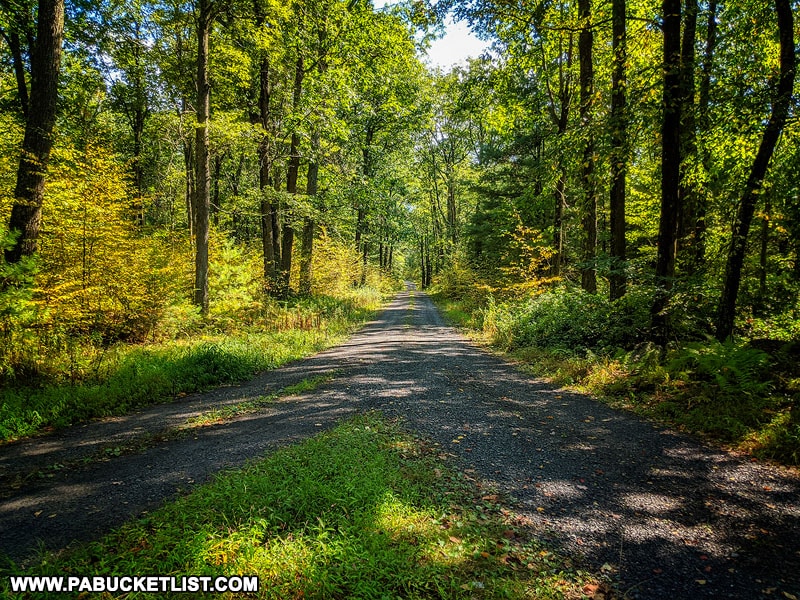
{"type": "Point", "coordinates": [190, 196]}
{"type": "Point", "coordinates": [267, 208]}
{"type": "Point", "coordinates": [203, 174]}
{"type": "Point", "coordinates": [560, 118]}
{"type": "Point", "coordinates": [26, 212]}
{"type": "Point", "coordinates": [309, 224]}
{"type": "Point", "coordinates": [698, 248]}
{"type": "Point", "coordinates": [12, 38]}
{"type": "Point", "coordinates": [422, 262]}
{"type": "Point", "coordinates": [138, 171]}
{"type": "Point", "coordinates": [275, 218]}
{"type": "Point", "coordinates": [670, 169]}
{"type": "Point", "coordinates": [360, 225]}
{"type": "Point", "coordinates": [452, 212]}
{"type": "Point", "coordinates": [287, 231]}
{"type": "Point", "coordinates": [364, 261]}
{"type": "Point", "coordinates": [687, 192]}
{"type": "Point", "coordinates": [361, 209]}
{"type": "Point", "coordinates": [216, 201]}
{"type": "Point", "coordinates": [747, 205]}
{"type": "Point", "coordinates": [558, 222]}
{"type": "Point", "coordinates": [428, 266]}
{"type": "Point", "coordinates": [312, 184]}
{"type": "Point", "coordinates": [619, 153]}
{"type": "Point", "coordinates": [764, 254]}
{"type": "Point", "coordinates": [585, 43]}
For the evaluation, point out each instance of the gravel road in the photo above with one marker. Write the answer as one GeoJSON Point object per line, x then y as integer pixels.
{"type": "Point", "coordinates": [663, 515]}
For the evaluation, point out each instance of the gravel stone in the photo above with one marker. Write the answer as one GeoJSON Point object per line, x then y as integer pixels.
{"type": "Point", "coordinates": [662, 514]}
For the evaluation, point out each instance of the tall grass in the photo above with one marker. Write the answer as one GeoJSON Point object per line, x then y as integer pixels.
{"type": "Point", "coordinates": [102, 381]}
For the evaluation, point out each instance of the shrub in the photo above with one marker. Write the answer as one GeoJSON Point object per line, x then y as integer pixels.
{"type": "Point", "coordinates": [571, 319]}
{"type": "Point", "coordinates": [98, 275]}
{"type": "Point", "coordinates": [17, 315]}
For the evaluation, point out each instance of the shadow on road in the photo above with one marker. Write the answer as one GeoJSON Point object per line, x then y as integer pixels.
{"type": "Point", "coordinates": [662, 514]}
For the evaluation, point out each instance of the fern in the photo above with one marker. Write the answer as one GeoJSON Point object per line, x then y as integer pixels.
{"type": "Point", "coordinates": [722, 369]}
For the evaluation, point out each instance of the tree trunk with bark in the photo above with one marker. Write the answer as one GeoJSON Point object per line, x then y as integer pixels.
{"type": "Point", "coordinates": [203, 174]}
{"type": "Point", "coordinates": [688, 190]}
{"type": "Point", "coordinates": [619, 153]}
{"type": "Point", "coordinates": [753, 188]}
{"type": "Point", "coordinates": [585, 43]}
{"type": "Point", "coordinates": [697, 251]}
{"type": "Point", "coordinates": [309, 224]}
{"type": "Point", "coordinates": [670, 168]}
{"type": "Point", "coordinates": [287, 231]}
{"type": "Point", "coordinates": [26, 212]}
{"type": "Point", "coordinates": [561, 120]}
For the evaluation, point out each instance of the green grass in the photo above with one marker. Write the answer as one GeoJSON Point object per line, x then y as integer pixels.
{"type": "Point", "coordinates": [363, 511]}
{"type": "Point", "coordinates": [137, 376]}
{"type": "Point", "coordinates": [217, 415]}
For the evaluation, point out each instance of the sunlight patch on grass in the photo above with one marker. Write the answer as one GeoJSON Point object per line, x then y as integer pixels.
{"type": "Point", "coordinates": [223, 413]}
{"type": "Point", "coordinates": [363, 511]}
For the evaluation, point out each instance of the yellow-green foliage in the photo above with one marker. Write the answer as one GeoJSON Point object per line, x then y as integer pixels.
{"type": "Point", "coordinates": [529, 267]}
{"type": "Point", "coordinates": [98, 275]}
{"type": "Point", "coordinates": [10, 136]}
{"type": "Point", "coordinates": [337, 267]}
{"type": "Point", "coordinates": [236, 283]}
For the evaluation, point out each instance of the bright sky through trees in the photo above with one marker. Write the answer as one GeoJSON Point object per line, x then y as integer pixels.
{"type": "Point", "coordinates": [458, 43]}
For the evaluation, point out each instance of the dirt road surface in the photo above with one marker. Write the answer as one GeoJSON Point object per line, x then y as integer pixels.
{"type": "Point", "coordinates": [663, 515]}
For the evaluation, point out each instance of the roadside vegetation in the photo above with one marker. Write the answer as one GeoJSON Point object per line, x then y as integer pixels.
{"type": "Point", "coordinates": [743, 393]}
{"type": "Point", "coordinates": [364, 511]}
{"type": "Point", "coordinates": [63, 361]}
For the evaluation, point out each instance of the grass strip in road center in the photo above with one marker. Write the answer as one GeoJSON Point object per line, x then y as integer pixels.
{"type": "Point", "coordinates": [363, 511]}
{"type": "Point", "coordinates": [224, 413]}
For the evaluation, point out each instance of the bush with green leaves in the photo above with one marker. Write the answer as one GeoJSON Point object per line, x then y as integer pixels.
{"type": "Point", "coordinates": [569, 319]}
{"type": "Point", "coordinates": [17, 314]}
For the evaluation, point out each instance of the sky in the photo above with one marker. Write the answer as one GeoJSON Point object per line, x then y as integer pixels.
{"type": "Point", "coordinates": [455, 47]}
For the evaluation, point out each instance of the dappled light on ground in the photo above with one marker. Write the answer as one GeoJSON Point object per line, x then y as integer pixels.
{"type": "Point", "coordinates": [657, 510]}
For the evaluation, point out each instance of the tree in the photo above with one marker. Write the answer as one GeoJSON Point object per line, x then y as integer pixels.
{"type": "Point", "coordinates": [205, 20]}
{"type": "Point", "coordinates": [585, 42]}
{"type": "Point", "coordinates": [133, 79]}
{"type": "Point", "coordinates": [26, 213]}
{"type": "Point", "coordinates": [755, 181]}
{"type": "Point", "coordinates": [618, 156]}
{"type": "Point", "coordinates": [670, 166]}
{"type": "Point", "coordinates": [17, 29]}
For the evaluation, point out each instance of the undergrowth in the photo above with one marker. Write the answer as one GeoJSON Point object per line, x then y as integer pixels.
{"type": "Point", "coordinates": [96, 380]}
{"type": "Point", "coordinates": [740, 394]}
{"type": "Point", "coordinates": [363, 511]}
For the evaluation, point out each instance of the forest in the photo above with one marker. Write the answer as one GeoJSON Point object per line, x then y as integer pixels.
{"type": "Point", "coordinates": [191, 192]}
